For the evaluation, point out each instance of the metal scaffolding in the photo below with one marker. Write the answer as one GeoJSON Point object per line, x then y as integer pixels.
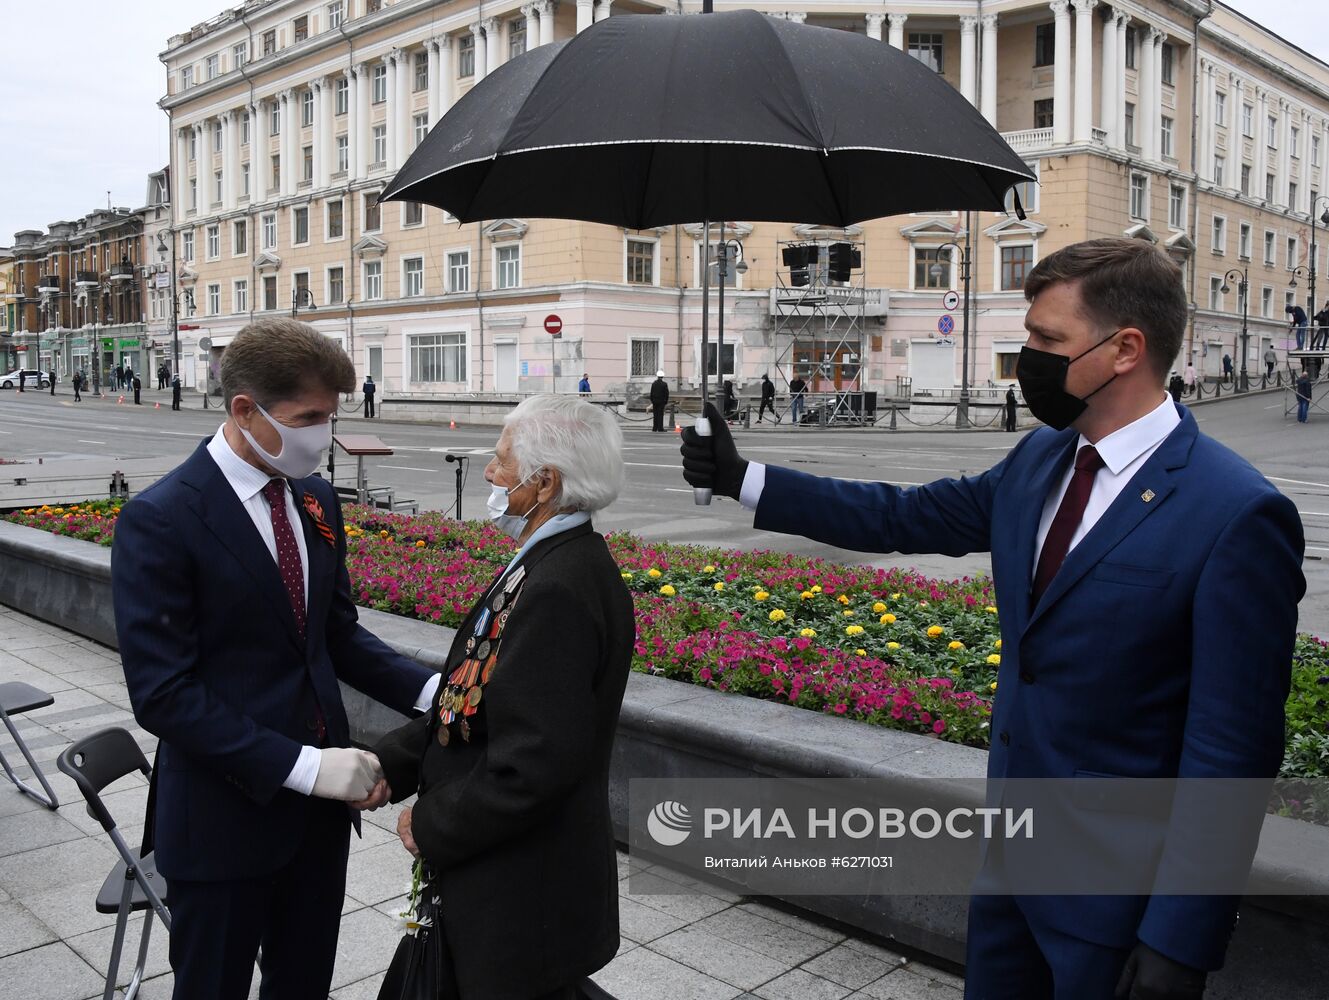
{"type": "Point", "coordinates": [818, 306]}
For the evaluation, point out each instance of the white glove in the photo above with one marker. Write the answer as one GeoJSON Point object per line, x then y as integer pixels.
{"type": "Point", "coordinates": [346, 774]}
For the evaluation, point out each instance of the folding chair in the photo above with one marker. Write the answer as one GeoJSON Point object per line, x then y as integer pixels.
{"type": "Point", "coordinates": [94, 762]}
{"type": "Point", "coordinates": [15, 699]}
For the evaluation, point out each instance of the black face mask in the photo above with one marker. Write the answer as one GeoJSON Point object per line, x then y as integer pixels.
{"type": "Point", "coordinates": [1042, 377]}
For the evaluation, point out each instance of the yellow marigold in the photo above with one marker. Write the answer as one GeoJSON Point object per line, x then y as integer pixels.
{"type": "Point", "coordinates": [807, 595]}
{"type": "Point", "coordinates": [383, 534]}
{"type": "Point", "coordinates": [816, 589]}
{"type": "Point", "coordinates": [668, 591]}
{"type": "Point", "coordinates": [991, 609]}
{"type": "Point", "coordinates": [887, 618]}
{"type": "Point", "coordinates": [420, 544]}
{"type": "Point", "coordinates": [761, 595]}
{"type": "Point", "coordinates": [719, 585]}
{"type": "Point", "coordinates": [992, 686]}
{"type": "Point", "coordinates": [854, 630]}
{"type": "Point", "coordinates": [895, 597]}
{"type": "Point", "coordinates": [997, 644]}
{"type": "Point", "coordinates": [653, 573]}
{"type": "Point", "coordinates": [58, 510]}
{"type": "Point", "coordinates": [848, 613]}
{"type": "Point", "coordinates": [860, 652]}
{"type": "Point", "coordinates": [843, 598]}
{"type": "Point", "coordinates": [808, 633]}
{"type": "Point", "coordinates": [625, 575]}
{"type": "Point", "coordinates": [955, 644]}
{"type": "Point", "coordinates": [892, 645]}
{"type": "Point", "coordinates": [878, 608]}
{"type": "Point", "coordinates": [995, 659]}
{"type": "Point", "coordinates": [776, 616]}
{"type": "Point", "coordinates": [708, 569]}
{"type": "Point", "coordinates": [935, 630]}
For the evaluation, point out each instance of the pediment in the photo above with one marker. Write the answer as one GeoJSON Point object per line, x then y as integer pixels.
{"type": "Point", "coordinates": [834, 233]}
{"type": "Point", "coordinates": [932, 229]}
{"type": "Point", "coordinates": [267, 262]}
{"type": "Point", "coordinates": [1012, 226]}
{"type": "Point", "coordinates": [1180, 243]}
{"type": "Point", "coordinates": [505, 229]}
{"type": "Point", "coordinates": [1140, 231]}
{"type": "Point", "coordinates": [187, 276]}
{"type": "Point", "coordinates": [732, 230]}
{"type": "Point", "coordinates": [369, 246]}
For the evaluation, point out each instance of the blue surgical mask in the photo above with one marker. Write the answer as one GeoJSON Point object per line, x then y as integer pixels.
{"type": "Point", "coordinates": [512, 525]}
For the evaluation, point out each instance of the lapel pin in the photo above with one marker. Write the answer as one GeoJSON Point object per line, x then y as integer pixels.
{"type": "Point", "coordinates": [1147, 495]}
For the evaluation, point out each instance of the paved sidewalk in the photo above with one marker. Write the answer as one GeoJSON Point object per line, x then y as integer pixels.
{"type": "Point", "coordinates": [698, 944]}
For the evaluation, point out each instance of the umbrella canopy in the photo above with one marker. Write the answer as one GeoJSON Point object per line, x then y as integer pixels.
{"type": "Point", "coordinates": [648, 120]}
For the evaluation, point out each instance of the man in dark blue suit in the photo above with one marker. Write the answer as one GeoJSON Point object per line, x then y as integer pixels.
{"type": "Point", "coordinates": [1148, 580]}
{"type": "Point", "coordinates": [235, 621]}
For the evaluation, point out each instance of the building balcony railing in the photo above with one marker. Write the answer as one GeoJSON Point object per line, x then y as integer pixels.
{"type": "Point", "coordinates": [122, 272]}
{"type": "Point", "coordinates": [1037, 139]}
{"type": "Point", "coordinates": [86, 279]}
{"type": "Point", "coordinates": [48, 283]}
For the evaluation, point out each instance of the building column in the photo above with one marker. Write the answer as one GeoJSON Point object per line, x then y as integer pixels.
{"type": "Point", "coordinates": [532, 25]}
{"type": "Point", "coordinates": [1261, 129]}
{"type": "Point", "coordinates": [896, 35]}
{"type": "Point", "coordinates": [1061, 77]}
{"type": "Point", "coordinates": [1120, 21]}
{"type": "Point", "coordinates": [431, 46]}
{"type": "Point", "coordinates": [493, 35]}
{"type": "Point", "coordinates": [1145, 111]}
{"type": "Point", "coordinates": [180, 174]}
{"type": "Point", "coordinates": [404, 131]}
{"type": "Point", "coordinates": [585, 14]}
{"type": "Point", "coordinates": [229, 136]}
{"type": "Point", "coordinates": [323, 153]}
{"type": "Point", "coordinates": [1084, 70]}
{"type": "Point", "coordinates": [202, 173]}
{"type": "Point", "coordinates": [1204, 116]}
{"type": "Point", "coordinates": [481, 50]}
{"type": "Point", "coordinates": [1159, 36]}
{"type": "Point", "coordinates": [546, 9]}
{"type": "Point", "coordinates": [988, 59]}
{"type": "Point", "coordinates": [390, 110]}
{"type": "Point", "coordinates": [1235, 144]}
{"type": "Point", "coordinates": [797, 16]}
{"type": "Point", "coordinates": [1107, 94]}
{"type": "Point", "coordinates": [443, 82]}
{"type": "Point", "coordinates": [602, 9]}
{"type": "Point", "coordinates": [258, 153]}
{"type": "Point", "coordinates": [875, 21]}
{"type": "Point", "coordinates": [362, 84]}
{"type": "Point", "coordinates": [1285, 117]}
{"type": "Point", "coordinates": [1308, 169]}
{"type": "Point", "coordinates": [968, 60]}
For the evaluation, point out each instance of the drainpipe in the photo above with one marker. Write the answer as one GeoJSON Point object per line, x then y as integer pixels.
{"type": "Point", "coordinates": [1195, 172]}
{"type": "Point", "coordinates": [479, 302]}
{"type": "Point", "coordinates": [348, 204]}
{"type": "Point", "coordinates": [255, 130]}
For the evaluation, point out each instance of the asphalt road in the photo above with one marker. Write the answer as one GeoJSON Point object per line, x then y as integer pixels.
{"type": "Point", "coordinates": [656, 503]}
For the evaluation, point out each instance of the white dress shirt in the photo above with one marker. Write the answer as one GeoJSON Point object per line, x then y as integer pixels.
{"type": "Point", "coordinates": [1123, 452]}
{"type": "Point", "coordinates": [248, 483]}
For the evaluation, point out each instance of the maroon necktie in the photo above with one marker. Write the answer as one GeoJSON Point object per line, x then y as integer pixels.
{"type": "Point", "coordinates": [288, 552]}
{"type": "Point", "coordinates": [1058, 541]}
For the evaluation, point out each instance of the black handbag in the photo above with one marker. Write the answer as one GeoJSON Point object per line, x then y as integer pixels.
{"type": "Point", "coordinates": [418, 966]}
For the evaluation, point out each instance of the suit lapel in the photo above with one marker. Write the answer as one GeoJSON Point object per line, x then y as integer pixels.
{"type": "Point", "coordinates": [222, 514]}
{"type": "Point", "coordinates": [1154, 480]}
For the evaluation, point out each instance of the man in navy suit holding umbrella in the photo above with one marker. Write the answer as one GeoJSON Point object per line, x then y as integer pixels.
{"type": "Point", "coordinates": [1148, 580]}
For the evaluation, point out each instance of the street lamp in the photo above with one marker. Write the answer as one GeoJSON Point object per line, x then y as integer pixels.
{"type": "Point", "coordinates": [725, 250]}
{"type": "Point", "coordinates": [175, 314]}
{"type": "Point", "coordinates": [1243, 290]}
{"type": "Point", "coordinates": [962, 409]}
{"type": "Point", "coordinates": [1308, 339]}
{"type": "Point", "coordinates": [1324, 217]}
{"type": "Point", "coordinates": [301, 297]}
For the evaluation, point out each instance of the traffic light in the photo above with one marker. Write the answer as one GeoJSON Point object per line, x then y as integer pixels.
{"type": "Point", "coordinates": [844, 258]}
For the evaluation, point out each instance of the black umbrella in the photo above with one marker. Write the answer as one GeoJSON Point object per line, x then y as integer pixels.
{"type": "Point", "coordinates": [644, 121]}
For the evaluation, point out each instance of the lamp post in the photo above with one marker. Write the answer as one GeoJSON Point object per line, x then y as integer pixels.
{"type": "Point", "coordinates": [175, 314]}
{"type": "Point", "coordinates": [1243, 293]}
{"type": "Point", "coordinates": [725, 250]}
{"type": "Point", "coordinates": [962, 408]}
{"type": "Point", "coordinates": [1314, 261]}
{"type": "Point", "coordinates": [1308, 337]}
{"type": "Point", "coordinates": [301, 297]}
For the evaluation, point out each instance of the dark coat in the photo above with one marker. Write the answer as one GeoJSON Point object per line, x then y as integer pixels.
{"type": "Point", "coordinates": [516, 821]}
{"type": "Point", "coordinates": [767, 389]}
{"type": "Point", "coordinates": [369, 388]}
{"type": "Point", "coordinates": [659, 392]}
{"type": "Point", "coordinates": [216, 667]}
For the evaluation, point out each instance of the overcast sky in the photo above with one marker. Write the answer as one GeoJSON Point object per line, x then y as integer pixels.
{"type": "Point", "coordinates": [83, 79]}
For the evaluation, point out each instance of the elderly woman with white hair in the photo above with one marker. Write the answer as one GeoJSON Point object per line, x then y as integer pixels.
{"type": "Point", "coordinates": [512, 763]}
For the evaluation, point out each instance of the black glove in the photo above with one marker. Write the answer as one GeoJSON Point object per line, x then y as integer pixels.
{"type": "Point", "coordinates": [713, 461]}
{"type": "Point", "coordinates": [1151, 976]}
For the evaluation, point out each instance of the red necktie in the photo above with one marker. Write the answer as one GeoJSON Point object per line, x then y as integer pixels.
{"type": "Point", "coordinates": [1067, 520]}
{"type": "Point", "coordinates": [288, 553]}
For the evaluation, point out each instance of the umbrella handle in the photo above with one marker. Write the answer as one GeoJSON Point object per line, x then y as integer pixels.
{"type": "Point", "coordinates": [701, 496]}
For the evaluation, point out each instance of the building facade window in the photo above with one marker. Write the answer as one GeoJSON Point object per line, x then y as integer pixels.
{"type": "Point", "coordinates": [299, 225]}
{"type": "Point", "coordinates": [1043, 113]}
{"type": "Point", "coordinates": [186, 77]}
{"type": "Point", "coordinates": [301, 28]}
{"type": "Point", "coordinates": [214, 300]}
{"type": "Point", "coordinates": [1267, 302]}
{"type": "Point", "coordinates": [1167, 57]}
{"type": "Point", "coordinates": [1215, 293]}
{"type": "Point", "coordinates": [336, 12]}
{"type": "Point", "coordinates": [212, 67]}
{"type": "Point", "coordinates": [343, 154]}
{"type": "Point", "coordinates": [306, 108]}
{"type": "Point", "coordinates": [438, 357]}
{"type": "Point", "coordinates": [373, 280]}
{"type": "Point", "coordinates": [216, 187]}
{"type": "Point", "coordinates": [932, 267]}
{"type": "Point", "coordinates": [216, 137]}
{"type": "Point", "coordinates": [1248, 121]}
{"type": "Point", "coordinates": [336, 286]}
{"type": "Point", "coordinates": [926, 48]}
{"type": "Point", "coordinates": [378, 91]}
{"type": "Point", "coordinates": [1220, 107]}
{"type": "Point", "coordinates": [1130, 124]}
{"type": "Point", "coordinates": [341, 96]}
{"type": "Point", "coordinates": [239, 237]}
{"type": "Point", "coordinates": [412, 277]}
{"type": "Point", "coordinates": [1271, 132]}
{"type": "Point", "coordinates": [380, 145]}
{"type": "Point", "coordinates": [274, 119]}
{"type": "Point", "coordinates": [307, 164]}
{"type": "Point", "coordinates": [1269, 187]}
{"type": "Point", "coordinates": [336, 224]}
{"type": "Point", "coordinates": [1246, 179]}
{"type": "Point", "coordinates": [1165, 137]}
{"type": "Point", "coordinates": [643, 358]}
{"type": "Point", "coordinates": [1016, 262]}
{"type": "Point", "coordinates": [465, 55]}
{"type": "Point", "coordinates": [420, 63]}
{"type": "Point", "coordinates": [373, 214]}
{"type": "Point", "coordinates": [213, 242]}
{"type": "Point", "coordinates": [1218, 235]}
{"type": "Point", "coordinates": [1293, 142]}
{"type": "Point", "coordinates": [1219, 170]}
{"type": "Point", "coordinates": [244, 129]}
{"type": "Point", "coordinates": [412, 213]}
{"type": "Point", "coordinates": [1315, 151]}
{"type": "Point", "coordinates": [187, 245]}
{"type": "Point", "coordinates": [269, 224]}
{"type": "Point", "coordinates": [276, 171]}
{"type": "Point", "coordinates": [1045, 44]}
{"type": "Point", "coordinates": [1270, 251]}
{"type": "Point", "coordinates": [1244, 241]}
{"type": "Point", "coordinates": [1140, 197]}
{"type": "Point", "coordinates": [507, 266]}
{"type": "Point", "coordinates": [240, 296]}
{"type": "Point", "coordinates": [1176, 206]}
{"type": "Point", "coordinates": [300, 288]}
{"type": "Point", "coordinates": [459, 271]}
{"type": "Point", "coordinates": [516, 38]}
{"type": "Point", "coordinates": [270, 42]}
{"type": "Point", "coordinates": [1130, 47]}
{"type": "Point", "coordinates": [240, 54]}
{"type": "Point", "coordinates": [1292, 195]}
{"type": "Point", "coordinates": [269, 292]}
{"type": "Point", "coordinates": [640, 263]}
{"type": "Point", "coordinates": [1292, 253]}
{"type": "Point", "coordinates": [420, 127]}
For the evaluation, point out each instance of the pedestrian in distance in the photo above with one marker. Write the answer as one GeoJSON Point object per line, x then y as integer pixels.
{"type": "Point", "coordinates": [78, 387]}
{"type": "Point", "coordinates": [1188, 378]}
{"type": "Point", "coordinates": [1319, 340]}
{"type": "Point", "coordinates": [119, 376]}
{"type": "Point", "coordinates": [659, 400]}
{"type": "Point", "coordinates": [236, 623]}
{"type": "Point", "coordinates": [730, 401]}
{"type": "Point", "coordinates": [22, 380]}
{"type": "Point", "coordinates": [1296, 323]}
{"type": "Point", "coordinates": [797, 393]}
{"type": "Point", "coordinates": [1227, 368]}
{"type": "Point", "coordinates": [51, 376]}
{"type": "Point", "coordinates": [1012, 407]}
{"type": "Point", "coordinates": [1106, 528]}
{"type": "Point", "coordinates": [1303, 397]}
{"type": "Point", "coordinates": [1175, 386]}
{"type": "Point", "coordinates": [369, 389]}
{"type": "Point", "coordinates": [138, 388]}
{"type": "Point", "coordinates": [1270, 359]}
{"type": "Point", "coordinates": [130, 378]}
{"type": "Point", "coordinates": [175, 392]}
{"type": "Point", "coordinates": [767, 398]}
{"type": "Point", "coordinates": [584, 386]}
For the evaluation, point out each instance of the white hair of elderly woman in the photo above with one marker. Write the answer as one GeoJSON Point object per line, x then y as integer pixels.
{"type": "Point", "coordinates": [576, 437]}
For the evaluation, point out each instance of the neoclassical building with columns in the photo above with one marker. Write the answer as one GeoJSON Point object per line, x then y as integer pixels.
{"type": "Point", "coordinates": [1164, 120]}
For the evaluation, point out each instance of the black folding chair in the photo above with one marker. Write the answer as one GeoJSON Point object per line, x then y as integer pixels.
{"type": "Point", "coordinates": [15, 699]}
{"type": "Point", "coordinates": [94, 762]}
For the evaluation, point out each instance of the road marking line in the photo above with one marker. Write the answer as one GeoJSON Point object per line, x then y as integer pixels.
{"type": "Point", "coordinates": [185, 434]}
{"type": "Point", "coordinates": [1298, 482]}
{"type": "Point", "coordinates": [408, 468]}
{"type": "Point", "coordinates": [83, 441]}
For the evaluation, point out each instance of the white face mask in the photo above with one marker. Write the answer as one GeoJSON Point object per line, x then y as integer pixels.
{"type": "Point", "coordinates": [302, 448]}
{"type": "Point", "coordinates": [512, 525]}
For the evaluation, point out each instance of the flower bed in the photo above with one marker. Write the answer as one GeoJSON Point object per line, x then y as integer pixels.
{"type": "Point", "coordinates": [890, 648]}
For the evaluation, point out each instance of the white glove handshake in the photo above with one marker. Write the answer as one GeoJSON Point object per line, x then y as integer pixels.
{"type": "Point", "coordinates": [346, 774]}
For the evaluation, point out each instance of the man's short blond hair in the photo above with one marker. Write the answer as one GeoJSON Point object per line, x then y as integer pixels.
{"type": "Point", "coordinates": [278, 359]}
